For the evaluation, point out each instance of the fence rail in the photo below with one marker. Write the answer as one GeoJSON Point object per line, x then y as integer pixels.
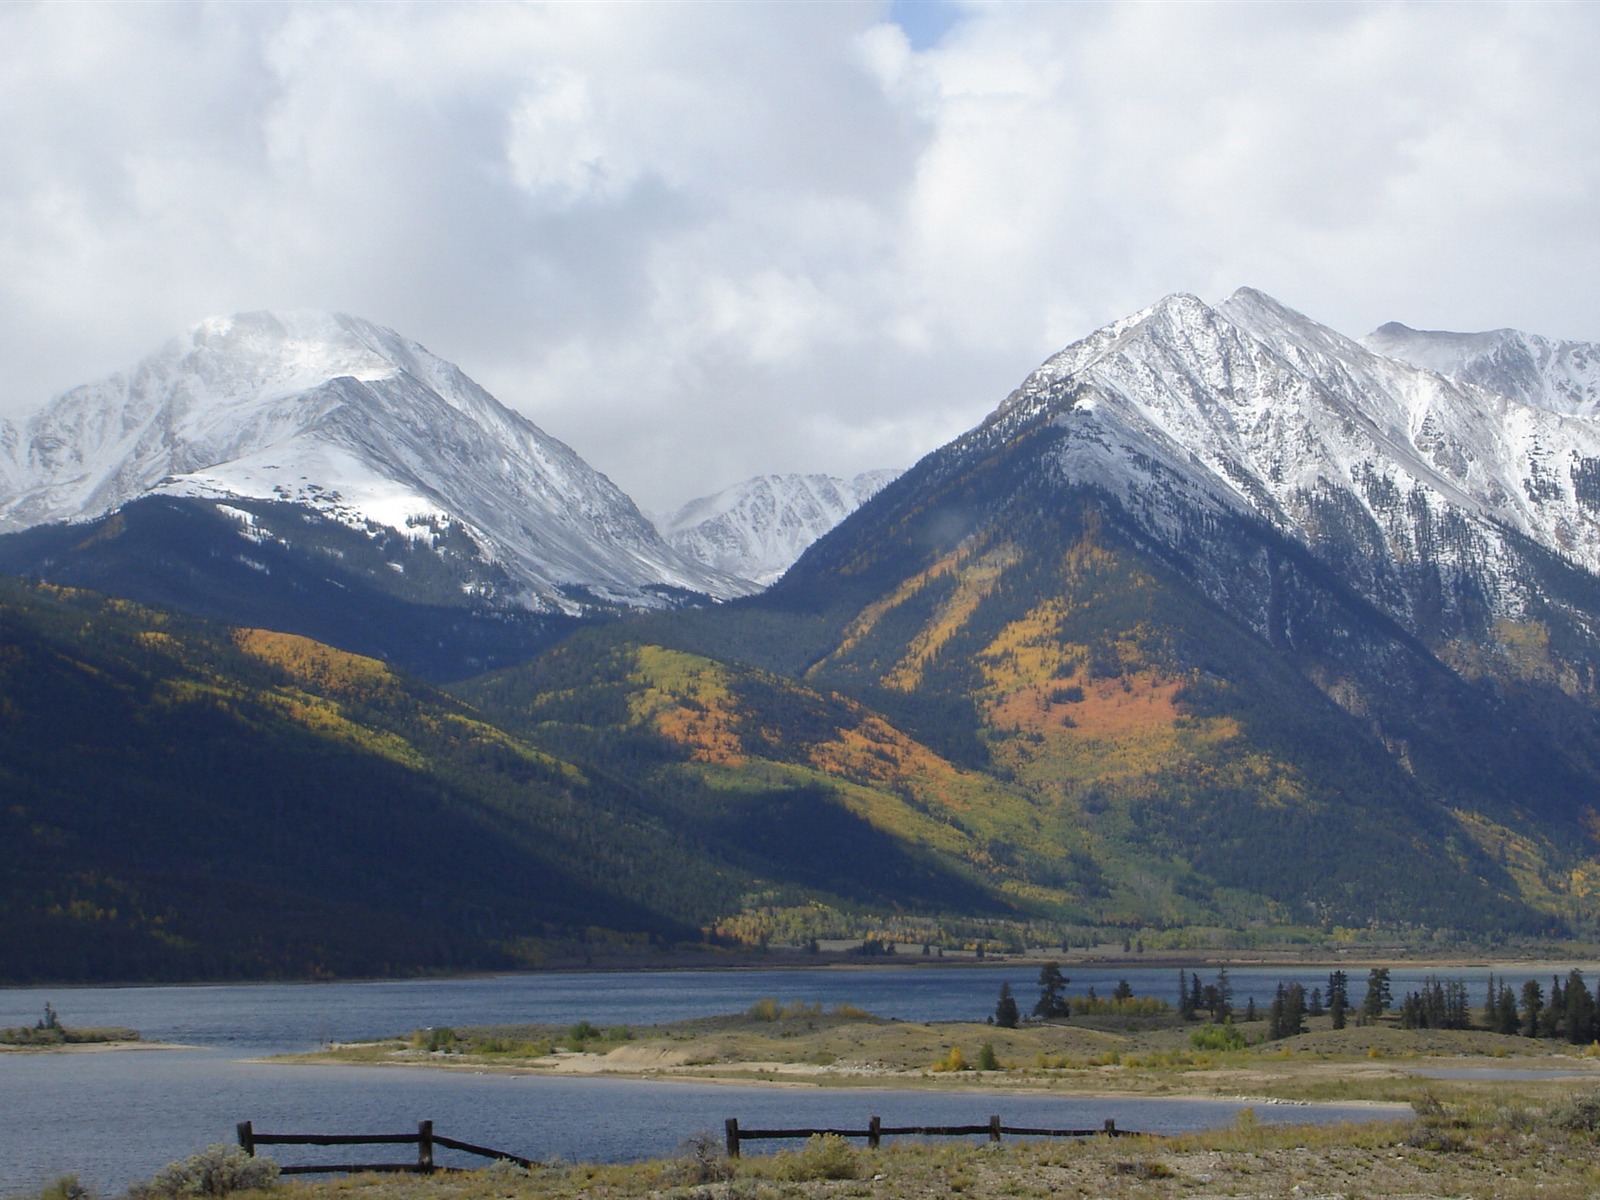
{"type": "Point", "coordinates": [424, 1139]}
{"type": "Point", "coordinates": [876, 1131]}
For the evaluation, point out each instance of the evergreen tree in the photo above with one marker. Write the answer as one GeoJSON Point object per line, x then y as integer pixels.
{"type": "Point", "coordinates": [1052, 1003]}
{"type": "Point", "coordinates": [1411, 1015]}
{"type": "Point", "coordinates": [1196, 994]}
{"type": "Point", "coordinates": [1378, 997]}
{"type": "Point", "coordinates": [1314, 1006]}
{"type": "Point", "coordinates": [1224, 995]}
{"type": "Point", "coordinates": [1006, 1014]}
{"type": "Point", "coordinates": [1580, 1009]}
{"type": "Point", "coordinates": [1555, 1013]}
{"type": "Point", "coordinates": [1338, 998]}
{"type": "Point", "coordinates": [1123, 990]}
{"type": "Point", "coordinates": [1532, 1008]}
{"type": "Point", "coordinates": [1185, 1009]}
{"type": "Point", "coordinates": [1507, 1016]}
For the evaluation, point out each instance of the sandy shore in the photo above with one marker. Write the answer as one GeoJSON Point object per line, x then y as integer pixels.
{"type": "Point", "coordinates": [92, 1047]}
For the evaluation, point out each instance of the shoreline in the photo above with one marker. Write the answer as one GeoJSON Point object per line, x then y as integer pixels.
{"type": "Point", "coordinates": [91, 1047]}
{"type": "Point", "coordinates": [793, 960]}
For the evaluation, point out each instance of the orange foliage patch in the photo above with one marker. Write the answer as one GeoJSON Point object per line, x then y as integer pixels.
{"type": "Point", "coordinates": [1111, 709]}
{"type": "Point", "coordinates": [875, 751]}
{"type": "Point", "coordinates": [707, 730]}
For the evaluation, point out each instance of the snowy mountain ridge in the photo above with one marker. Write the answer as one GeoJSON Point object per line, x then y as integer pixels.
{"type": "Point", "coordinates": [757, 529]}
{"type": "Point", "coordinates": [1412, 462]}
{"type": "Point", "coordinates": [365, 426]}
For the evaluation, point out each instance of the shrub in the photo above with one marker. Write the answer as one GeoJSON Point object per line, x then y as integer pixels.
{"type": "Point", "coordinates": [986, 1058]}
{"type": "Point", "coordinates": [434, 1040]}
{"type": "Point", "coordinates": [766, 1009]}
{"type": "Point", "coordinates": [67, 1187]}
{"type": "Point", "coordinates": [1226, 1036]}
{"type": "Point", "coordinates": [216, 1171]}
{"type": "Point", "coordinates": [954, 1061]}
{"type": "Point", "coordinates": [700, 1160]}
{"type": "Point", "coordinates": [826, 1156]}
{"type": "Point", "coordinates": [850, 1011]}
{"type": "Point", "coordinates": [1581, 1114]}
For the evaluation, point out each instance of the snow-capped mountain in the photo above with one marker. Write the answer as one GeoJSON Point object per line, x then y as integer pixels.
{"type": "Point", "coordinates": [1221, 589]}
{"type": "Point", "coordinates": [1563, 377]}
{"type": "Point", "coordinates": [1421, 488]}
{"type": "Point", "coordinates": [757, 529]}
{"type": "Point", "coordinates": [359, 424]}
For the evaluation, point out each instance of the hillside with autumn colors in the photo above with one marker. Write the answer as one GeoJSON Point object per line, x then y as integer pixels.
{"type": "Point", "coordinates": [1221, 629]}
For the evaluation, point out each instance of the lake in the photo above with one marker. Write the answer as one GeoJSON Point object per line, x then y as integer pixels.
{"type": "Point", "coordinates": [115, 1118]}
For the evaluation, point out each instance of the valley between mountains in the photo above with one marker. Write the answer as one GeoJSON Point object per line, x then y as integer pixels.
{"type": "Point", "coordinates": [1222, 630]}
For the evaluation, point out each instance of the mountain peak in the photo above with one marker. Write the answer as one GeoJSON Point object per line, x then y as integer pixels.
{"type": "Point", "coordinates": [365, 426]}
{"type": "Point", "coordinates": [757, 529]}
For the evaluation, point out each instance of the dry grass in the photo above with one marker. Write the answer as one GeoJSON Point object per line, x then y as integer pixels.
{"type": "Point", "coordinates": [1133, 1057]}
{"type": "Point", "coordinates": [1473, 1149]}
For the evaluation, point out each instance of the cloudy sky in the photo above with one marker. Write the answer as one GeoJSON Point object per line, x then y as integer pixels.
{"type": "Point", "coordinates": [699, 241]}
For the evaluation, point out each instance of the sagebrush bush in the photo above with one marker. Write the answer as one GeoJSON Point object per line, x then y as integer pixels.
{"type": "Point", "coordinates": [700, 1160]}
{"type": "Point", "coordinates": [217, 1170]}
{"type": "Point", "coordinates": [1581, 1114]}
{"type": "Point", "coordinates": [825, 1156]}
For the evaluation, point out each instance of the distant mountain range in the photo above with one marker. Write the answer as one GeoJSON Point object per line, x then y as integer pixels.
{"type": "Point", "coordinates": [757, 529]}
{"type": "Point", "coordinates": [318, 474]}
{"type": "Point", "coordinates": [1222, 624]}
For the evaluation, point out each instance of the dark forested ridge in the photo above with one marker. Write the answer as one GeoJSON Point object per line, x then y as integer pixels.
{"type": "Point", "coordinates": [185, 801]}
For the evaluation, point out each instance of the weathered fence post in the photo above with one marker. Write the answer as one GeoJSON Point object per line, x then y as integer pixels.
{"type": "Point", "coordinates": [874, 1132]}
{"type": "Point", "coordinates": [733, 1137]}
{"type": "Point", "coordinates": [994, 1128]}
{"type": "Point", "coordinates": [1111, 1127]}
{"type": "Point", "coordinates": [425, 1147]}
{"type": "Point", "coordinates": [247, 1138]}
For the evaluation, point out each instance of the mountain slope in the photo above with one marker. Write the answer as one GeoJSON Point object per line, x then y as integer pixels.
{"type": "Point", "coordinates": [362, 426]}
{"type": "Point", "coordinates": [186, 801]}
{"type": "Point", "coordinates": [1224, 589]}
{"type": "Point", "coordinates": [756, 529]}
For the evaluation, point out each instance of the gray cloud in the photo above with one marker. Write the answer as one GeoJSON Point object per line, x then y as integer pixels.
{"type": "Point", "coordinates": [698, 241]}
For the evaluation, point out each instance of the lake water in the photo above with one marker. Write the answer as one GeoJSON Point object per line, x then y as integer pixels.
{"type": "Point", "coordinates": [115, 1118]}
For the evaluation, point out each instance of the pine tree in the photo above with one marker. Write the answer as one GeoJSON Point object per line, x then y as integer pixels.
{"type": "Point", "coordinates": [1508, 1022]}
{"type": "Point", "coordinates": [1580, 1009]}
{"type": "Point", "coordinates": [1532, 1008]}
{"type": "Point", "coordinates": [1378, 997]}
{"type": "Point", "coordinates": [1052, 1003]}
{"type": "Point", "coordinates": [1338, 998]}
{"type": "Point", "coordinates": [1006, 1014]}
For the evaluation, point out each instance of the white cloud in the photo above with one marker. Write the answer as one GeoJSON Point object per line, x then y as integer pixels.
{"type": "Point", "coordinates": [698, 241]}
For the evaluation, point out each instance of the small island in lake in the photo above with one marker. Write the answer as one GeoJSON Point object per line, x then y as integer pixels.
{"type": "Point", "coordinates": [50, 1034]}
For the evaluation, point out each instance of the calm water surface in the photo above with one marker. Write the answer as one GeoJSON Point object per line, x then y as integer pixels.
{"type": "Point", "coordinates": [115, 1118]}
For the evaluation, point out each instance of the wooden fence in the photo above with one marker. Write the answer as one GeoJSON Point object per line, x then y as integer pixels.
{"type": "Point", "coordinates": [424, 1139]}
{"type": "Point", "coordinates": [876, 1131]}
